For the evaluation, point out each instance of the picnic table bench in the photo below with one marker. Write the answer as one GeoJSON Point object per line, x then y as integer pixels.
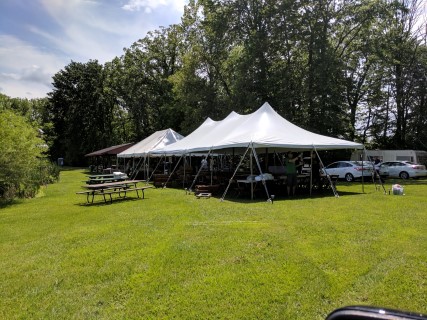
{"type": "Point", "coordinates": [121, 188]}
{"type": "Point", "coordinates": [206, 195]}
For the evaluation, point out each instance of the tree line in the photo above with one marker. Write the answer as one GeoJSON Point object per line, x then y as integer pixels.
{"type": "Point", "coordinates": [353, 69]}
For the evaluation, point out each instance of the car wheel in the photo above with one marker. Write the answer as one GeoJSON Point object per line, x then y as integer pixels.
{"type": "Point", "coordinates": [349, 177]}
{"type": "Point", "coordinates": [404, 175]}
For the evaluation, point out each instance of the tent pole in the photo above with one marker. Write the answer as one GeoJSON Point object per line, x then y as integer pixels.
{"type": "Point", "coordinates": [148, 169]}
{"type": "Point", "coordinates": [232, 161]}
{"type": "Point", "coordinates": [279, 158]}
{"type": "Point", "coordinates": [211, 168]}
{"type": "Point", "coordinates": [375, 173]}
{"type": "Point", "coordinates": [252, 172]}
{"type": "Point", "coordinates": [266, 160]}
{"type": "Point", "coordinates": [334, 190]}
{"type": "Point", "coordinates": [235, 171]}
{"type": "Point", "coordinates": [185, 162]}
{"type": "Point", "coordinates": [363, 181]}
{"type": "Point", "coordinates": [171, 173]}
{"type": "Point", "coordinates": [137, 168]}
{"type": "Point", "coordinates": [158, 163]}
{"type": "Point", "coordinates": [269, 198]}
{"type": "Point", "coordinates": [198, 172]}
{"type": "Point", "coordinates": [311, 171]}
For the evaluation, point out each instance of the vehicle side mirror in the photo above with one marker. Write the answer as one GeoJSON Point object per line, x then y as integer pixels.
{"type": "Point", "coordinates": [369, 313]}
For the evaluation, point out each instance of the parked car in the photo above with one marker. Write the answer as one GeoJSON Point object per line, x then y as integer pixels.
{"type": "Point", "coordinates": [350, 170]}
{"type": "Point", "coordinates": [403, 169]}
{"type": "Point", "coordinates": [383, 175]}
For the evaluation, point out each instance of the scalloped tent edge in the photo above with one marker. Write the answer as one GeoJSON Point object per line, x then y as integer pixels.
{"type": "Point", "coordinates": [264, 128]}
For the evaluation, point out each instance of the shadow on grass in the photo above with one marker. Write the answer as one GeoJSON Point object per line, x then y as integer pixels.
{"type": "Point", "coordinates": [389, 182]}
{"type": "Point", "coordinates": [65, 168]}
{"type": "Point", "coordinates": [8, 203]}
{"type": "Point", "coordinates": [413, 182]}
{"type": "Point", "coordinates": [99, 203]}
{"type": "Point", "coordinates": [263, 198]}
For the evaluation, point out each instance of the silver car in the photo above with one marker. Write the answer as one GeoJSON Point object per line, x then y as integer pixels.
{"type": "Point", "coordinates": [403, 169]}
{"type": "Point", "coordinates": [350, 170]}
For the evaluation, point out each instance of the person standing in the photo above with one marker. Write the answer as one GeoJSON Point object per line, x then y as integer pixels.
{"type": "Point", "coordinates": [291, 173]}
{"type": "Point", "coordinates": [315, 170]}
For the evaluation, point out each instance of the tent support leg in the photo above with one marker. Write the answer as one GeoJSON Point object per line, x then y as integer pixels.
{"type": "Point", "coordinates": [334, 190]}
{"type": "Point", "coordinates": [235, 171]}
{"type": "Point", "coordinates": [375, 173]}
{"type": "Point", "coordinates": [198, 172]}
{"type": "Point", "coordinates": [158, 163]}
{"type": "Point", "coordinates": [170, 174]}
{"type": "Point", "coordinates": [262, 176]}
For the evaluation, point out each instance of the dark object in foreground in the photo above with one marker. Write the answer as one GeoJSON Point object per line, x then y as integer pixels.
{"type": "Point", "coordinates": [369, 313]}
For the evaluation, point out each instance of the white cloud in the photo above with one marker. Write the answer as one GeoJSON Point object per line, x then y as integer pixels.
{"type": "Point", "coordinates": [26, 71]}
{"type": "Point", "coordinates": [78, 30]}
{"type": "Point", "coordinates": [24, 89]}
{"type": "Point", "coordinates": [87, 30]}
{"type": "Point", "coordinates": [151, 5]}
{"type": "Point", "coordinates": [100, 30]}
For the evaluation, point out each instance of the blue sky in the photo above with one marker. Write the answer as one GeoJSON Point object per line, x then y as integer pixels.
{"type": "Point", "coordinates": [38, 38]}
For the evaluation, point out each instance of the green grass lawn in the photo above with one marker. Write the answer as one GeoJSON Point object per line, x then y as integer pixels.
{"type": "Point", "coordinates": [174, 256]}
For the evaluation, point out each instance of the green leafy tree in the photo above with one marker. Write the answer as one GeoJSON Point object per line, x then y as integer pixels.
{"type": "Point", "coordinates": [82, 111]}
{"type": "Point", "coordinates": [416, 137]}
{"type": "Point", "coordinates": [35, 111]}
{"type": "Point", "coordinates": [21, 149]}
{"type": "Point", "coordinates": [141, 82]}
{"type": "Point", "coordinates": [394, 100]}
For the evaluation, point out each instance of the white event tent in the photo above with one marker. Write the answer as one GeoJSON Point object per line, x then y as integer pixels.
{"type": "Point", "coordinates": [157, 140]}
{"type": "Point", "coordinates": [144, 148]}
{"type": "Point", "coordinates": [264, 128]}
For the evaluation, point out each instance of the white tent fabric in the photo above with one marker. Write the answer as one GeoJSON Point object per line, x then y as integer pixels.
{"type": "Point", "coordinates": [157, 140]}
{"type": "Point", "coordinates": [264, 128]}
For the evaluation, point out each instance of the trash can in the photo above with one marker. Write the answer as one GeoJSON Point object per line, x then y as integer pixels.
{"type": "Point", "coordinates": [60, 162]}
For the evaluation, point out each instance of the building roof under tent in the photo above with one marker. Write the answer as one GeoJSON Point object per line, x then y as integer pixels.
{"type": "Point", "coordinates": [157, 140]}
{"type": "Point", "coordinates": [112, 151]}
{"type": "Point", "coordinates": [264, 128]}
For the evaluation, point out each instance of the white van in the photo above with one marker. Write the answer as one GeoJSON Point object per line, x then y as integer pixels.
{"type": "Point", "coordinates": [415, 156]}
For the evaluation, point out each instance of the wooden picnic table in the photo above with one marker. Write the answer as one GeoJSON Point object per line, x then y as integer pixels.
{"type": "Point", "coordinates": [105, 180]}
{"type": "Point", "coordinates": [100, 176]}
{"type": "Point", "coordinates": [101, 186]}
{"type": "Point", "coordinates": [109, 188]}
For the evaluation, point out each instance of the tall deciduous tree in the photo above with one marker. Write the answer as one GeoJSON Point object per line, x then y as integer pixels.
{"type": "Point", "coordinates": [398, 51]}
{"type": "Point", "coordinates": [82, 112]}
{"type": "Point", "coordinates": [142, 82]}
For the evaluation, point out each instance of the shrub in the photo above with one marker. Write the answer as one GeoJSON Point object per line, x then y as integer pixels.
{"type": "Point", "coordinates": [23, 167]}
